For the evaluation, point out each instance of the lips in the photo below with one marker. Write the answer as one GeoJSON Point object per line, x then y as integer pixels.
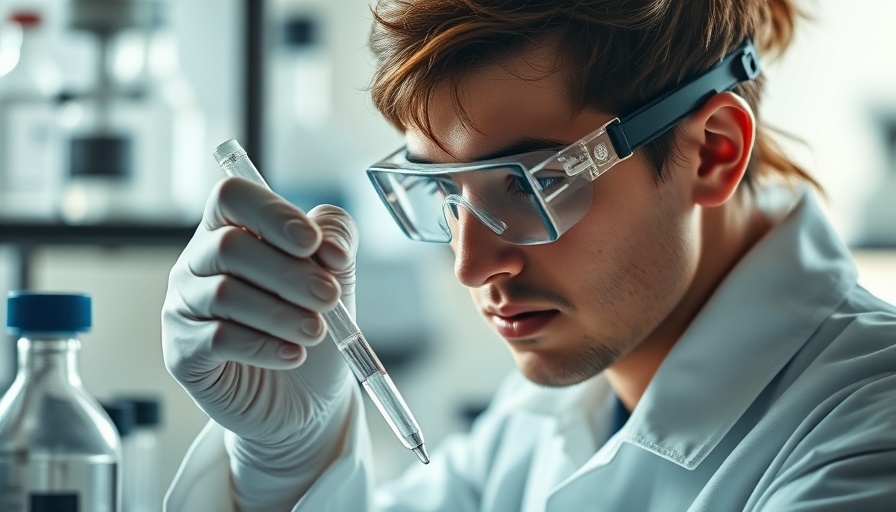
{"type": "Point", "coordinates": [520, 322]}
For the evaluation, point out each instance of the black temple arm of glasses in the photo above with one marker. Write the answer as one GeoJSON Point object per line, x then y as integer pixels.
{"type": "Point", "coordinates": [661, 114]}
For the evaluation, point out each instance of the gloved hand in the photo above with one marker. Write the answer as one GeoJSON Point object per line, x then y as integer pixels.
{"type": "Point", "coordinates": [242, 329]}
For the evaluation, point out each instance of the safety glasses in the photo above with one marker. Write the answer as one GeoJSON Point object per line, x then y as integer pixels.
{"type": "Point", "coordinates": [535, 197]}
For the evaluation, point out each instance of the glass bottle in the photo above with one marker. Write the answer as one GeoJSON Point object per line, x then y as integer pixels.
{"type": "Point", "coordinates": [30, 83]}
{"type": "Point", "coordinates": [58, 449]}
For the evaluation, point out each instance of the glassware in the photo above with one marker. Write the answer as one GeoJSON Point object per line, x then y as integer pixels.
{"type": "Point", "coordinates": [145, 493]}
{"type": "Point", "coordinates": [58, 448]}
{"type": "Point", "coordinates": [133, 140]}
{"type": "Point", "coordinates": [124, 416]}
{"type": "Point", "coordinates": [30, 83]}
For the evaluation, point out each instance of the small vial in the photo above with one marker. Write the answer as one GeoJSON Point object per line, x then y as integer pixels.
{"type": "Point", "coordinates": [124, 417]}
{"type": "Point", "coordinates": [145, 495]}
{"type": "Point", "coordinates": [58, 448]}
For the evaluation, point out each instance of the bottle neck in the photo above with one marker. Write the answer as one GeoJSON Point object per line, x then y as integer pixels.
{"type": "Point", "coordinates": [50, 359]}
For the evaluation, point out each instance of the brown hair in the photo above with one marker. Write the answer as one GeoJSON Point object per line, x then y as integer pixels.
{"type": "Point", "coordinates": [620, 53]}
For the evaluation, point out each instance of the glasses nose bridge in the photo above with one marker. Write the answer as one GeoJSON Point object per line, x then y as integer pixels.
{"type": "Point", "coordinates": [486, 218]}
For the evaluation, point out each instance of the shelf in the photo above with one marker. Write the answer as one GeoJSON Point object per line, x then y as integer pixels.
{"type": "Point", "coordinates": [111, 234]}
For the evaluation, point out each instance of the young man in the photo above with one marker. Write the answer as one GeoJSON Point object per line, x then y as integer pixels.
{"type": "Point", "coordinates": [689, 334]}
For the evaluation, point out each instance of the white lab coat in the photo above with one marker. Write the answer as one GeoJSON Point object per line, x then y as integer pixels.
{"type": "Point", "coordinates": [781, 395]}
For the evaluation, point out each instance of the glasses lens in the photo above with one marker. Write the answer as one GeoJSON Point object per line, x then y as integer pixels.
{"type": "Point", "coordinates": [413, 200]}
{"type": "Point", "coordinates": [521, 206]}
{"type": "Point", "coordinates": [565, 198]}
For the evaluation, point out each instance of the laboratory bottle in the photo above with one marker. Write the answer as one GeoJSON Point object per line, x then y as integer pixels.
{"type": "Point", "coordinates": [30, 83]}
{"type": "Point", "coordinates": [124, 418]}
{"type": "Point", "coordinates": [145, 494]}
{"type": "Point", "coordinates": [59, 450]}
{"type": "Point", "coordinates": [134, 141]}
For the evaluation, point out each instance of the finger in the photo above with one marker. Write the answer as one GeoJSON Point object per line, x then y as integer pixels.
{"type": "Point", "coordinates": [240, 202]}
{"type": "Point", "coordinates": [224, 297]}
{"type": "Point", "coordinates": [229, 341]}
{"type": "Point", "coordinates": [195, 349]}
{"type": "Point", "coordinates": [339, 246]}
{"type": "Point", "coordinates": [236, 252]}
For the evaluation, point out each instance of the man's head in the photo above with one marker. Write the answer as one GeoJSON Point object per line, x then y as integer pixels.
{"type": "Point", "coordinates": [467, 79]}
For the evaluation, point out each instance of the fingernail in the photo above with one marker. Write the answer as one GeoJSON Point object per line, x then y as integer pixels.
{"type": "Point", "coordinates": [289, 351]}
{"type": "Point", "coordinates": [299, 232]}
{"type": "Point", "coordinates": [311, 326]}
{"type": "Point", "coordinates": [322, 289]}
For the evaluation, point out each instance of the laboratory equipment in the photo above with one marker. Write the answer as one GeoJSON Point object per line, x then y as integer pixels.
{"type": "Point", "coordinates": [368, 369]}
{"type": "Point", "coordinates": [124, 417]}
{"type": "Point", "coordinates": [145, 493]}
{"type": "Point", "coordinates": [308, 106]}
{"type": "Point", "coordinates": [132, 139]}
{"type": "Point", "coordinates": [58, 449]}
{"type": "Point", "coordinates": [30, 83]}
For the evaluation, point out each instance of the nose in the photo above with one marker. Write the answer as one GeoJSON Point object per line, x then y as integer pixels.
{"type": "Point", "coordinates": [480, 256]}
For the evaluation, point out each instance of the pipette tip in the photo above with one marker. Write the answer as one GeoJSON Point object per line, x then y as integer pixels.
{"type": "Point", "coordinates": [421, 454]}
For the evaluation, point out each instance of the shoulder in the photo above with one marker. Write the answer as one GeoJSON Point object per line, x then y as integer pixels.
{"type": "Point", "coordinates": [859, 337]}
{"type": "Point", "coordinates": [853, 374]}
{"type": "Point", "coordinates": [846, 459]}
{"type": "Point", "coordinates": [862, 419]}
{"type": "Point", "coordinates": [840, 405]}
{"type": "Point", "coordinates": [846, 438]}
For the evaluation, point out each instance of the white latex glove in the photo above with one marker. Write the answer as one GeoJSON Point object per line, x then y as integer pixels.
{"type": "Point", "coordinates": [242, 333]}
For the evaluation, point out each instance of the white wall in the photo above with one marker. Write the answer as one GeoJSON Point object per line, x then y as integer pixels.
{"type": "Point", "coordinates": [830, 90]}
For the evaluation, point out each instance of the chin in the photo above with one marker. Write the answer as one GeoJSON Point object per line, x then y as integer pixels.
{"type": "Point", "coordinates": [544, 370]}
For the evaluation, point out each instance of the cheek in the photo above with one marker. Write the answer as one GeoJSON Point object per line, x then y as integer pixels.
{"type": "Point", "coordinates": [666, 250]}
{"type": "Point", "coordinates": [638, 242]}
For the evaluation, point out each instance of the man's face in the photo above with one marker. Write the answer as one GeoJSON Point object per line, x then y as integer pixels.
{"type": "Point", "coordinates": [571, 308]}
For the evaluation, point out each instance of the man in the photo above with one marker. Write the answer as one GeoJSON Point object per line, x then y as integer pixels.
{"type": "Point", "coordinates": [689, 335]}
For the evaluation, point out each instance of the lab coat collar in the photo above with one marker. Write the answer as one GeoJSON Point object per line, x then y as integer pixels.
{"type": "Point", "coordinates": [758, 318]}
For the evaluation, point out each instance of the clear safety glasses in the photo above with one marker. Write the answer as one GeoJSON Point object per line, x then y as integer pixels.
{"type": "Point", "coordinates": [535, 197]}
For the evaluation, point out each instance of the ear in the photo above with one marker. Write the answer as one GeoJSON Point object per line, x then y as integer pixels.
{"type": "Point", "coordinates": [721, 135]}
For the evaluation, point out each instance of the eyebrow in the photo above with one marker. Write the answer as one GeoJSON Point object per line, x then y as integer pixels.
{"type": "Point", "coordinates": [516, 148]}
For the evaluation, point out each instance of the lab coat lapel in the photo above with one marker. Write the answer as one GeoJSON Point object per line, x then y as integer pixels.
{"type": "Point", "coordinates": [558, 456]}
{"type": "Point", "coordinates": [573, 421]}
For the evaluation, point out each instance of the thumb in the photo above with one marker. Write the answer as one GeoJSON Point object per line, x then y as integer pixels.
{"type": "Point", "coordinates": [339, 247]}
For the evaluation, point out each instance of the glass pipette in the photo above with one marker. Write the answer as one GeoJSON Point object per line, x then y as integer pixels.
{"type": "Point", "coordinates": [366, 366]}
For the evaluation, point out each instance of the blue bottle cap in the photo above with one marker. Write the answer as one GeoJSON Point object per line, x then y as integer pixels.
{"type": "Point", "coordinates": [148, 409]}
{"type": "Point", "coordinates": [31, 312]}
{"type": "Point", "coordinates": [123, 416]}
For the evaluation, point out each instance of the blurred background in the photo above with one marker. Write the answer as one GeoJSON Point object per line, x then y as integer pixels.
{"type": "Point", "coordinates": [110, 109]}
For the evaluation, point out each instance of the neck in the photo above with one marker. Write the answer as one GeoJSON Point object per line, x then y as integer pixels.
{"type": "Point", "coordinates": [733, 229]}
{"type": "Point", "coordinates": [50, 359]}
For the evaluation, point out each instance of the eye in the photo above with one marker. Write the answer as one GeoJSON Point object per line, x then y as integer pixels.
{"type": "Point", "coordinates": [549, 183]}
{"type": "Point", "coordinates": [518, 186]}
